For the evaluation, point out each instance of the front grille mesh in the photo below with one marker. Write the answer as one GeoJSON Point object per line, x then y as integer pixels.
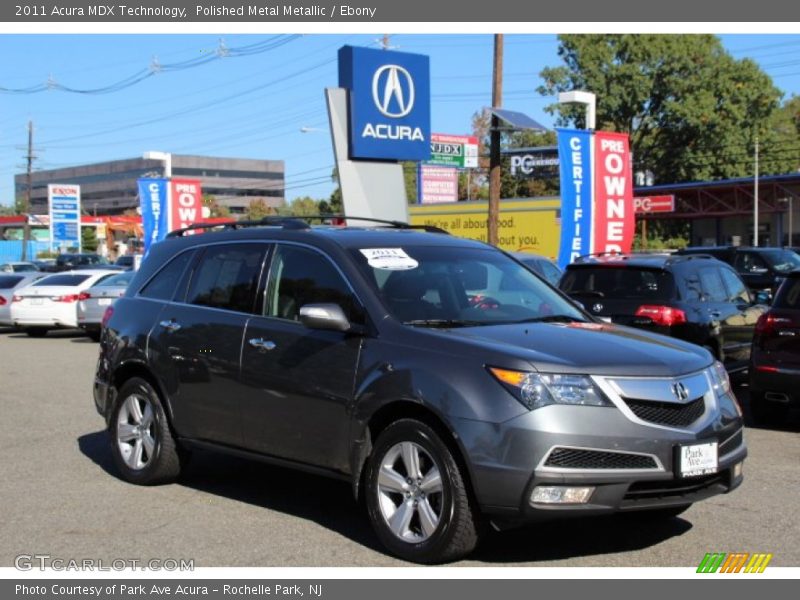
{"type": "Point", "coordinates": [571, 458]}
{"type": "Point", "coordinates": [667, 413]}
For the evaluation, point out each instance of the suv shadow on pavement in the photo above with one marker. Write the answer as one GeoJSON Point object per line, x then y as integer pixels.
{"type": "Point", "coordinates": [296, 493]}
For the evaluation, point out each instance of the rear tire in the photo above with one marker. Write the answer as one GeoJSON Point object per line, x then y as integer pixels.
{"type": "Point", "coordinates": [416, 496]}
{"type": "Point", "coordinates": [142, 444]}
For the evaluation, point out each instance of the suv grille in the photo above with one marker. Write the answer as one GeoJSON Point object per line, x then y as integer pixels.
{"type": "Point", "coordinates": [649, 490]}
{"type": "Point", "coordinates": [667, 413]}
{"type": "Point", "coordinates": [569, 458]}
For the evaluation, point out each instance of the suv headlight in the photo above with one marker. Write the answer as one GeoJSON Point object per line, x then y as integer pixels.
{"type": "Point", "coordinates": [535, 390]}
{"type": "Point", "coordinates": [719, 379]}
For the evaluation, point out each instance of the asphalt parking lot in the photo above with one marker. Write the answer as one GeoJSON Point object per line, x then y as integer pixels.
{"type": "Point", "coordinates": [61, 496]}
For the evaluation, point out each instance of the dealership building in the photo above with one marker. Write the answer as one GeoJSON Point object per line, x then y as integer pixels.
{"type": "Point", "coordinates": [110, 188]}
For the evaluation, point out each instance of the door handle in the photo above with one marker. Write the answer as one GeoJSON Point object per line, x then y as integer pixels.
{"type": "Point", "coordinates": [170, 325]}
{"type": "Point", "coordinates": [261, 344]}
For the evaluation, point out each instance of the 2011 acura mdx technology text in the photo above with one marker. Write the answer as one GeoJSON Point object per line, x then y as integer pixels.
{"type": "Point", "coordinates": [448, 383]}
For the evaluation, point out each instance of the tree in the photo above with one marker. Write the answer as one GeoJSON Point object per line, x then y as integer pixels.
{"type": "Point", "coordinates": [301, 207]}
{"type": "Point", "coordinates": [89, 240]}
{"type": "Point", "coordinates": [215, 208]}
{"type": "Point", "coordinates": [692, 111]}
{"type": "Point", "coordinates": [258, 209]}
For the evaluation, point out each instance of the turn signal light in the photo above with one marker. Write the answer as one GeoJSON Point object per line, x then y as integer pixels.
{"type": "Point", "coordinates": [662, 315]}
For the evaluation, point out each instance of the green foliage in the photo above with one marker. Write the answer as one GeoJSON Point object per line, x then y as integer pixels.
{"type": "Point", "coordinates": [662, 235]}
{"type": "Point", "coordinates": [7, 211]}
{"type": "Point", "coordinates": [46, 254]}
{"type": "Point", "coordinates": [301, 207]}
{"type": "Point", "coordinates": [258, 209]}
{"type": "Point", "coordinates": [691, 109]}
{"type": "Point", "coordinates": [89, 240]}
{"type": "Point", "coordinates": [215, 208]}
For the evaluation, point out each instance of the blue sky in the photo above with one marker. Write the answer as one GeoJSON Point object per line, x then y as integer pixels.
{"type": "Point", "coordinates": [254, 106]}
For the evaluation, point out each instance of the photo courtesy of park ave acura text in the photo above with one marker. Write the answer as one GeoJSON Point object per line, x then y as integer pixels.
{"type": "Point", "coordinates": [397, 300]}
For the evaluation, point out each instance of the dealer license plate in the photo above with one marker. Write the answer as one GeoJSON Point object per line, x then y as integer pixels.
{"type": "Point", "coordinates": [36, 301]}
{"type": "Point", "coordinates": [104, 301]}
{"type": "Point", "coordinates": [699, 459]}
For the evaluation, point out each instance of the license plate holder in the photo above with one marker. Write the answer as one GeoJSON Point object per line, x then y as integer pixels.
{"type": "Point", "coordinates": [37, 301]}
{"type": "Point", "coordinates": [696, 460]}
{"type": "Point", "coordinates": [104, 301]}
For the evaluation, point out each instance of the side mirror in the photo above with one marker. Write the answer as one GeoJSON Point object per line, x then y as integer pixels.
{"type": "Point", "coordinates": [763, 297]}
{"type": "Point", "coordinates": [324, 316]}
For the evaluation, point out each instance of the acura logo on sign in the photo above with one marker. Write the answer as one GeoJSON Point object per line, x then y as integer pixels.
{"type": "Point", "coordinates": [680, 391]}
{"type": "Point", "coordinates": [393, 91]}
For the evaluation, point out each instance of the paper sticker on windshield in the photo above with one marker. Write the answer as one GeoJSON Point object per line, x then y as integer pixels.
{"type": "Point", "coordinates": [390, 259]}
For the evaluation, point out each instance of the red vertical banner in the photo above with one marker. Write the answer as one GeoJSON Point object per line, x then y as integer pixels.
{"type": "Point", "coordinates": [186, 203]}
{"type": "Point", "coordinates": [613, 187]}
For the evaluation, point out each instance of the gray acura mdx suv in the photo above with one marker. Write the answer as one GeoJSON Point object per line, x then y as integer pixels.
{"type": "Point", "coordinates": [447, 382]}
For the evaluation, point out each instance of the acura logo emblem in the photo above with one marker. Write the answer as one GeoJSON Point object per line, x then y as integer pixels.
{"type": "Point", "coordinates": [680, 391]}
{"type": "Point", "coordinates": [393, 91]}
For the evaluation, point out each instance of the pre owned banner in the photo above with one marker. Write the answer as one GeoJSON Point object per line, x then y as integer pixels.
{"type": "Point", "coordinates": [153, 202]}
{"type": "Point", "coordinates": [575, 155]}
{"type": "Point", "coordinates": [186, 203]}
{"type": "Point", "coordinates": [613, 206]}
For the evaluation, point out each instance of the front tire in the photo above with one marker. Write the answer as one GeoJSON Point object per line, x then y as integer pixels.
{"type": "Point", "coordinates": [142, 444]}
{"type": "Point", "coordinates": [416, 496]}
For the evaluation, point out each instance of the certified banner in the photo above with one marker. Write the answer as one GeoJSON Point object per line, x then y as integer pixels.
{"type": "Point", "coordinates": [614, 211]}
{"type": "Point", "coordinates": [575, 155]}
{"type": "Point", "coordinates": [153, 202]}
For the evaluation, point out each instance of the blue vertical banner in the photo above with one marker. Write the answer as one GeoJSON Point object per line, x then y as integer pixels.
{"type": "Point", "coordinates": [153, 202]}
{"type": "Point", "coordinates": [575, 169]}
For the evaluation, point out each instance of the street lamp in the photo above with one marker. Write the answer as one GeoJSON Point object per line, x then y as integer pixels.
{"type": "Point", "coordinates": [581, 97]}
{"type": "Point", "coordinates": [166, 157]}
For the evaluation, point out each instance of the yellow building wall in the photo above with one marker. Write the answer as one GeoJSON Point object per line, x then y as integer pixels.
{"type": "Point", "coordinates": [525, 225]}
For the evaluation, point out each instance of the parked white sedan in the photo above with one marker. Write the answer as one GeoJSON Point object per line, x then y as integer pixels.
{"type": "Point", "coordinates": [9, 283]}
{"type": "Point", "coordinates": [93, 302]}
{"type": "Point", "coordinates": [50, 303]}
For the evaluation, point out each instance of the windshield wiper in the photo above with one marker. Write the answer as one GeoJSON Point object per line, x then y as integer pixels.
{"type": "Point", "coordinates": [552, 319]}
{"type": "Point", "coordinates": [444, 323]}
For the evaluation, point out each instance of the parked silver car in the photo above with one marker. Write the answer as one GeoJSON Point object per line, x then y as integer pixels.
{"type": "Point", "coordinates": [92, 303]}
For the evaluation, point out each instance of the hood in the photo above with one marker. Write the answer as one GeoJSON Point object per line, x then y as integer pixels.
{"type": "Point", "coordinates": [590, 348]}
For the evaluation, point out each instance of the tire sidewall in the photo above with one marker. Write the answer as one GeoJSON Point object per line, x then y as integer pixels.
{"type": "Point", "coordinates": [409, 430]}
{"type": "Point", "coordinates": [139, 386]}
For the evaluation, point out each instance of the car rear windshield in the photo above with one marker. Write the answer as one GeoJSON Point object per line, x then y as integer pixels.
{"type": "Point", "coordinates": [66, 280]}
{"type": "Point", "coordinates": [782, 260]}
{"type": "Point", "coordinates": [788, 294]}
{"type": "Point", "coordinates": [619, 282]}
{"type": "Point", "coordinates": [8, 281]}
{"type": "Point", "coordinates": [121, 280]}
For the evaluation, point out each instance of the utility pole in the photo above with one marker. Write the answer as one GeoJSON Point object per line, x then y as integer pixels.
{"type": "Point", "coordinates": [494, 142]}
{"type": "Point", "coordinates": [755, 197]}
{"type": "Point", "coordinates": [26, 228]}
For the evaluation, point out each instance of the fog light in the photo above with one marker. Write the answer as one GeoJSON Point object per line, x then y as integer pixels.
{"type": "Point", "coordinates": [737, 470]}
{"type": "Point", "coordinates": [561, 495]}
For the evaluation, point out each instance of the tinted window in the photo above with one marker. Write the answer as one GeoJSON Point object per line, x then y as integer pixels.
{"type": "Point", "coordinates": [8, 281]}
{"type": "Point", "coordinates": [227, 277]}
{"type": "Point", "coordinates": [737, 291]}
{"type": "Point", "coordinates": [123, 279]}
{"type": "Point", "coordinates": [550, 272]}
{"type": "Point", "coordinates": [711, 284]}
{"type": "Point", "coordinates": [162, 286]}
{"type": "Point", "coordinates": [62, 280]}
{"type": "Point", "coordinates": [788, 294]}
{"type": "Point", "coordinates": [299, 276]}
{"type": "Point", "coordinates": [747, 262]}
{"type": "Point", "coordinates": [782, 260]}
{"type": "Point", "coordinates": [613, 282]}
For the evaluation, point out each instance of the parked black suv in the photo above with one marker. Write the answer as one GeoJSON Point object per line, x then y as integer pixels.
{"type": "Point", "coordinates": [759, 268]}
{"type": "Point", "coordinates": [695, 298]}
{"type": "Point", "coordinates": [442, 378]}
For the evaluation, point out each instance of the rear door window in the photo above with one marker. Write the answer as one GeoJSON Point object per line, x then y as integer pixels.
{"type": "Point", "coordinates": [227, 277]}
{"type": "Point", "coordinates": [737, 291]}
{"type": "Point", "coordinates": [789, 294]}
{"type": "Point", "coordinates": [163, 285]}
{"type": "Point", "coordinates": [712, 285]}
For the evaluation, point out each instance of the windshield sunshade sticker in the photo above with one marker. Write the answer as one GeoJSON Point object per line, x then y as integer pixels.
{"type": "Point", "coordinates": [389, 259]}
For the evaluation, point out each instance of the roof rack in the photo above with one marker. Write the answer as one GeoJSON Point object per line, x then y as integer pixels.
{"type": "Point", "coordinates": [297, 223]}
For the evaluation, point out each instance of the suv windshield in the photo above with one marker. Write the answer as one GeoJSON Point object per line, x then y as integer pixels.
{"type": "Point", "coordinates": [782, 260]}
{"type": "Point", "coordinates": [619, 282]}
{"type": "Point", "coordinates": [451, 287]}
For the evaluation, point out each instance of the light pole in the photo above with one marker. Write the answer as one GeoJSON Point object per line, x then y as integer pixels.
{"type": "Point", "coordinates": [166, 157]}
{"type": "Point", "coordinates": [581, 97]}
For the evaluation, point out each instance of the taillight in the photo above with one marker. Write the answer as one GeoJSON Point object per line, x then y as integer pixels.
{"type": "Point", "coordinates": [66, 298]}
{"type": "Point", "coordinates": [662, 315]}
{"type": "Point", "coordinates": [84, 296]}
{"type": "Point", "coordinates": [768, 323]}
{"type": "Point", "coordinates": [3, 301]}
{"type": "Point", "coordinates": [107, 316]}
{"type": "Point", "coordinates": [16, 299]}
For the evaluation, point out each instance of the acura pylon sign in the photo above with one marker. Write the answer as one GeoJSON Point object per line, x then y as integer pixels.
{"type": "Point", "coordinates": [390, 103]}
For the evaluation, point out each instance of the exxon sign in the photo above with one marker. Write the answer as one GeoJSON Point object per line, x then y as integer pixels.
{"type": "Point", "coordinates": [390, 103]}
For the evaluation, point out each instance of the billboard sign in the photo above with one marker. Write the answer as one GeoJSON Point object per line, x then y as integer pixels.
{"type": "Point", "coordinates": [460, 151]}
{"type": "Point", "coordinates": [654, 204]}
{"type": "Point", "coordinates": [153, 202]}
{"type": "Point", "coordinates": [437, 184]}
{"type": "Point", "coordinates": [186, 203]}
{"type": "Point", "coordinates": [575, 152]}
{"type": "Point", "coordinates": [390, 103]}
{"type": "Point", "coordinates": [64, 202]}
{"type": "Point", "coordinates": [613, 206]}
